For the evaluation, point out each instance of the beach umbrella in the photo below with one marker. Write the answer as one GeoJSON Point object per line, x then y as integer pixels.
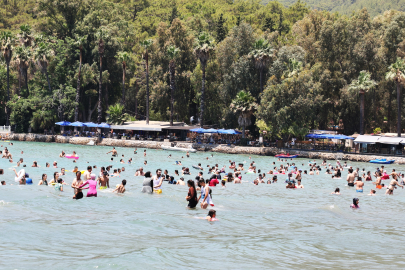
{"type": "Point", "coordinates": [211, 130]}
{"type": "Point", "coordinates": [222, 131]}
{"type": "Point", "coordinates": [90, 124]}
{"type": "Point", "coordinates": [77, 124]}
{"type": "Point", "coordinates": [197, 130]}
{"type": "Point", "coordinates": [63, 123]}
{"type": "Point", "coordinates": [233, 132]}
{"type": "Point", "coordinates": [103, 125]}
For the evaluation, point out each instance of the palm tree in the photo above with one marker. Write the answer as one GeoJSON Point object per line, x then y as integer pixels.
{"type": "Point", "coordinates": [172, 52]}
{"type": "Point", "coordinates": [204, 46]}
{"type": "Point", "coordinates": [124, 58]}
{"type": "Point", "coordinates": [80, 40]}
{"type": "Point", "coordinates": [7, 42]}
{"type": "Point", "coordinates": [23, 58]}
{"type": "Point", "coordinates": [262, 55]}
{"type": "Point", "coordinates": [101, 36]}
{"type": "Point", "coordinates": [42, 55]}
{"type": "Point", "coordinates": [146, 44]}
{"type": "Point", "coordinates": [244, 104]}
{"type": "Point", "coordinates": [397, 73]}
{"type": "Point", "coordinates": [116, 115]}
{"type": "Point", "coordinates": [293, 68]}
{"type": "Point", "coordinates": [362, 84]}
{"type": "Point", "coordinates": [25, 35]}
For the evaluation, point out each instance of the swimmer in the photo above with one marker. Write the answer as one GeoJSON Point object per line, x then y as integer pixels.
{"type": "Point", "coordinates": [188, 154]}
{"type": "Point", "coordinates": [140, 172]}
{"type": "Point", "coordinates": [43, 181]}
{"type": "Point", "coordinates": [146, 162]}
{"type": "Point", "coordinates": [87, 174]}
{"type": "Point", "coordinates": [192, 194]}
{"type": "Point", "coordinates": [350, 178]}
{"type": "Point", "coordinates": [355, 203]}
{"type": "Point", "coordinates": [181, 182]}
{"type": "Point", "coordinates": [55, 178]}
{"type": "Point", "coordinates": [104, 181]}
{"type": "Point", "coordinates": [59, 185]}
{"type": "Point", "coordinates": [62, 171]}
{"type": "Point", "coordinates": [62, 154]}
{"type": "Point", "coordinates": [24, 175]}
{"type": "Point", "coordinates": [337, 191]}
{"type": "Point", "coordinates": [55, 164]}
{"type": "Point", "coordinates": [3, 183]}
{"type": "Point", "coordinates": [113, 151]}
{"type": "Point", "coordinates": [157, 181]}
{"type": "Point", "coordinates": [393, 184]}
{"type": "Point", "coordinates": [77, 182]}
{"type": "Point", "coordinates": [121, 188]}
{"type": "Point", "coordinates": [35, 164]}
{"type": "Point", "coordinates": [75, 169]}
{"type": "Point", "coordinates": [205, 197]}
{"type": "Point", "coordinates": [47, 165]}
{"type": "Point", "coordinates": [372, 193]}
{"type": "Point", "coordinates": [359, 185]}
{"type": "Point", "coordinates": [212, 214]}
{"type": "Point", "coordinates": [147, 185]}
{"type": "Point", "coordinates": [299, 184]}
{"type": "Point", "coordinates": [92, 186]}
{"type": "Point", "coordinates": [144, 153]}
{"type": "Point", "coordinates": [223, 183]}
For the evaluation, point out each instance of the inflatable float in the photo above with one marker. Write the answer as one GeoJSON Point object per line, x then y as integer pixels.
{"type": "Point", "coordinates": [190, 150]}
{"type": "Point", "coordinates": [382, 161]}
{"type": "Point", "coordinates": [71, 157]}
{"type": "Point", "coordinates": [286, 156]}
{"type": "Point", "coordinates": [196, 167]}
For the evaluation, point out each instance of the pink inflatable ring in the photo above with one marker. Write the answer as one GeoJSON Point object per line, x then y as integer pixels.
{"type": "Point", "coordinates": [70, 156]}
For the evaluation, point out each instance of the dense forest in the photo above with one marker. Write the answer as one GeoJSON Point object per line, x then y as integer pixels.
{"type": "Point", "coordinates": [229, 64]}
{"type": "Point", "coordinates": [347, 7]}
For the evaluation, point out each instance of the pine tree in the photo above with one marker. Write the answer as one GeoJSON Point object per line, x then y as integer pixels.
{"type": "Point", "coordinates": [174, 14]}
{"type": "Point", "coordinates": [268, 25]}
{"type": "Point", "coordinates": [221, 31]}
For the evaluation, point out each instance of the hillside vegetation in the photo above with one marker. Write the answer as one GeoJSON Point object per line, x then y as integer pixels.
{"type": "Point", "coordinates": [228, 63]}
{"type": "Point", "coordinates": [374, 7]}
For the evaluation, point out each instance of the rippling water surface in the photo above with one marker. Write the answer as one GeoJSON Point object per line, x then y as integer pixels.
{"type": "Point", "coordinates": [263, 226]}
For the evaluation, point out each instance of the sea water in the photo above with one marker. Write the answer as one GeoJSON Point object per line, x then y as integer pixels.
{"type": "Point", "coordinates": [264, 226]}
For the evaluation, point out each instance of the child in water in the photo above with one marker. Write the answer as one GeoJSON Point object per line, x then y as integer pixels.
{"type": "Point", "coordinates": [121, 188]}
{"type": "Point", "coordinates": [212, 215]}
{"type": "Point", "coordinates": [355, 203]}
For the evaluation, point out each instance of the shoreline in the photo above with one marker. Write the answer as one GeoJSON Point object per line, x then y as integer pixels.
{"type": "Point", "coordinates": [221, 148]}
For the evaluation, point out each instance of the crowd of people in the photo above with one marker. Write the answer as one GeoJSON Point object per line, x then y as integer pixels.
{"type": "Point", "coordinates": [200, 189]}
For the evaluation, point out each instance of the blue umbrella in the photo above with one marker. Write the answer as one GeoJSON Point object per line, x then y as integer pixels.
{"type": "Point", "coordinates": [63, 123]}
{"type": "Point", "coordinates": [77, 124]}
{"type": "Point", "coordinates": [103, 125]}
{"type": "Point", "coordinates": [211, 130]}
{"type": "Point", "coordinates": [90, 124]}
{"type": "Point", "coordinates": [198, 130]}
{"type": "Point", "coordinates": [222, 131]}
{"type": "Point", "coordinates": [233, 132]}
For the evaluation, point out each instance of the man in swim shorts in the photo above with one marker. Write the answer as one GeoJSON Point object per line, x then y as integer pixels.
{"type": "Point", "coordinates": [350, 178]}
{"type": "Point", "coordinates": [104, 181]}
{"type": "Point", "coordinates": [359, 185]}
{"type": "Point", "coordinates": [114, 152]}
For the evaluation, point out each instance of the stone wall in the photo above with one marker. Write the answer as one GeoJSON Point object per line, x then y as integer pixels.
{"type": "Point", "coordinates": [264, 151]}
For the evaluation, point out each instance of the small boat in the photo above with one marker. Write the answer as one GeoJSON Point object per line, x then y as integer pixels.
{"type": "Point", "coordinates": [286, 156]}
{"type": "Point", "coordinates": [382, 161]}
{"type": "Point", "coordinates": [191, 150]}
